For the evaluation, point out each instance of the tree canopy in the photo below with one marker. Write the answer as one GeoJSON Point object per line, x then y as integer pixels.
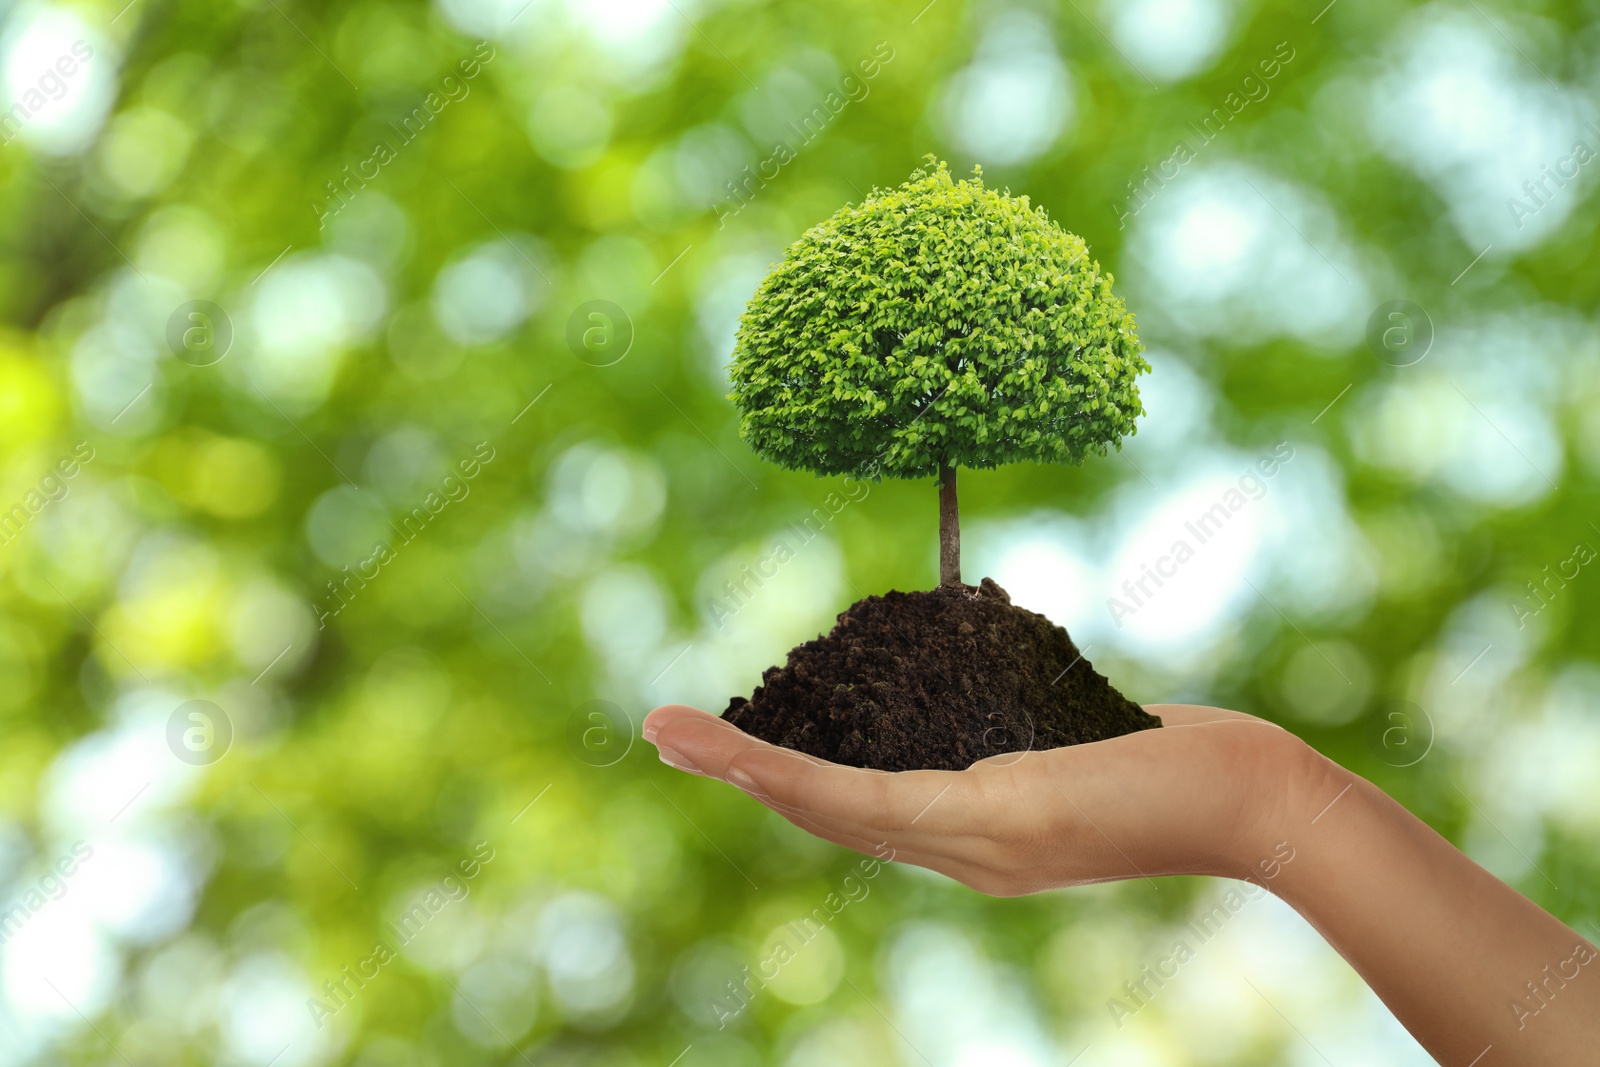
{"type": "Point", "coordinates": [937, 323]}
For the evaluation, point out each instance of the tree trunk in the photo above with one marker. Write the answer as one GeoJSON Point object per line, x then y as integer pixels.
{"type": "Point", "coordinates": [949, 528]}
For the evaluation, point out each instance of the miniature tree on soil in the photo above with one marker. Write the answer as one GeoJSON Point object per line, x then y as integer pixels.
{"type": "Point", "coordinates": [935, 326]}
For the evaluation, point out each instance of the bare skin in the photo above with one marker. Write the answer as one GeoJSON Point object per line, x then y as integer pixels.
{"type": "Point", "coordinates": [1448, 947]}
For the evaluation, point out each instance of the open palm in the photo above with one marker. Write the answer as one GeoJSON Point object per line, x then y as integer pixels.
{"type": "Point", "coordinates": [1203, 795]}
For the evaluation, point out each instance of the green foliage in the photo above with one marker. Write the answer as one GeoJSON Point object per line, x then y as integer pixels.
{"type": "Point", "coordinates": [940, 322]}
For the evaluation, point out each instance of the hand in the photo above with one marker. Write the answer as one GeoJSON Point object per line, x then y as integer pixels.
{"type": "Point", "coordinates": [1211, 792]}
{"type": "Point", "coordinates": [1207, 793]}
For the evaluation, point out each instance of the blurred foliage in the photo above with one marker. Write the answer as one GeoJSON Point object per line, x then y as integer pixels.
{"type": "Point", "coordinates": [407, 220]}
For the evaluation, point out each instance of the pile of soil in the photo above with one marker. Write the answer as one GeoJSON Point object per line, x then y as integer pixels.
{"type": "Point", "coordinates": [935, 680]}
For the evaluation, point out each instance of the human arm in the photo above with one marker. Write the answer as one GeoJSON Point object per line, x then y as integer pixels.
{"type": "Point", "coordinates": [1445, 944]}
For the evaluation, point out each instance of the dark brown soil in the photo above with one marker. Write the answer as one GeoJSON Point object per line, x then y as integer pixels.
{"type": "Point", "coordinates": [937, 679]}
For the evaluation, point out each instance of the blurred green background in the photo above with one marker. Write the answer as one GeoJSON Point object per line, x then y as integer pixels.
{"type": "Point", "coordinates": [363, 381]}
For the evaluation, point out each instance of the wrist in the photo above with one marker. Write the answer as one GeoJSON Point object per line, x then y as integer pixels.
{"type": "Point", "coordinates": [1285, 802]}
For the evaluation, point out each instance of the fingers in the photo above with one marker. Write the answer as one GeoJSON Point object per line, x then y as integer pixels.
{"type": "Point", "coordinates": [700, 743]}
{"type": "Point", "coordinates": [848, 800]}
{"type": "Point", "coordinates": [884, 802]}
{"type": "Point", "coordinates": [867, 811]}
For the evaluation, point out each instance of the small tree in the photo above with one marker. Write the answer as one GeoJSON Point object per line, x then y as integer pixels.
{"type": "Point", "coordinates": [934, 326]}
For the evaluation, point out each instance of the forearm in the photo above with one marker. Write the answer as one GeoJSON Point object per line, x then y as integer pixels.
{"type": "Point", "coordinates": [1479, 974]}
{"type": "Point", "coordinates": [1450, 949]}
